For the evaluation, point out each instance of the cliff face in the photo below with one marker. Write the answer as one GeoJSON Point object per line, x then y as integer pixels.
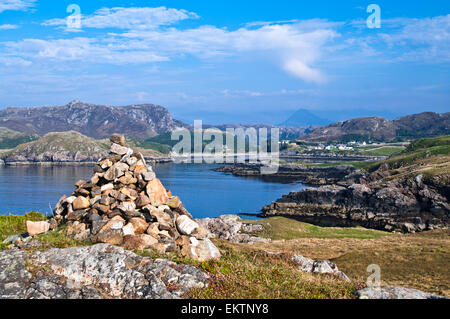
{"type": "Point", "coordinates": [404, 206]}
{"type": "Point", "coordinates": [97, 121]}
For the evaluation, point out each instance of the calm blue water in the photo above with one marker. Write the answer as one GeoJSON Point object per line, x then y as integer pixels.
{"type": "Point", "coordinates": [205, 193]}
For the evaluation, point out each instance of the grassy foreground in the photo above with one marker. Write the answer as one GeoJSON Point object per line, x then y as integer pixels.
{"type": "Point", "coordinates": [265, 270]}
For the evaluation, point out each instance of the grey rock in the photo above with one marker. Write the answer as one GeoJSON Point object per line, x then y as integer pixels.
{"type": "Point", "coordinates": [231, 228]}
{"type": "Point", "coordinates": [394, 293]}
{"type": "Point", "coordinates": [318, 266]}
{"type": "Point", "coordinates": [400, 206]}
{"type": "Point", "coordinates": [12, 239]}
{"type": "Point", "coordinates": [93, 272]}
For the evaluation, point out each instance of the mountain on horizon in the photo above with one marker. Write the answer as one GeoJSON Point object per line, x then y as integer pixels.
{"type": "Point", "coordinates": [427, 124]}
{"type": "Point", "coordinates": [304, 117]}
{"type": "Point", "coordinates": [97, 121]}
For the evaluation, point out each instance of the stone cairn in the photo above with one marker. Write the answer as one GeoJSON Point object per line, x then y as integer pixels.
{"type": "Point", "coordinates": [125, 204]}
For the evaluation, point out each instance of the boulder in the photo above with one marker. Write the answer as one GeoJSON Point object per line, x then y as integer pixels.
{"type": "Point", "coordinates": [128, 229]}
{"type": "Point", "coordinates": [188, 227]}
{"type": "Point", "coordinates": [81, 203]}
{"type": "Point", "coordinates": [203, 250]}
{"type": "Point", "coordinates": [156, 192]}
{"type": "Point", "coordinates": [118, 149]}
{"type": "Point", "coordinates": [394, 293]}
{"type": "Point", "coordinates": [37, 228]}
{"type": "Point", "coordinates": [318, 266]}
{"type": "Point", "coordinates": [140, 226]}
{"type": "Point", "coordinates": [112, 236]}
{"type": "Point", "coordinates": [117, 139]}
{"type": "Point", "coordinates": [93, 272]}
{"type": "Point", "coordinates": [138, 242]}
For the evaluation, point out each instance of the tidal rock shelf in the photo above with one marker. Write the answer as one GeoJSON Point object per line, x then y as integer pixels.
{"type": "Point", "coordinates": [125, 204]}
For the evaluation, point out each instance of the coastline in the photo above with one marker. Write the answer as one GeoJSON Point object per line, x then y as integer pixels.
{"type": "Point", "coordinates": [155, 160]}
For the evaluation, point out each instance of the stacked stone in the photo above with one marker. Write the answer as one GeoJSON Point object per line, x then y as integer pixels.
{"type": "Point", "coordinates": [125, 204]}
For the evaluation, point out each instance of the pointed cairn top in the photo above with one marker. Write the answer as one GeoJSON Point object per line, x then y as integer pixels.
{"type": "Point", "coordinates": [125, 204]}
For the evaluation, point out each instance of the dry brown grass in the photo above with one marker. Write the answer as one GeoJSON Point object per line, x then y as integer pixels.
{"type": "Point", "coordinates": [420, 261]}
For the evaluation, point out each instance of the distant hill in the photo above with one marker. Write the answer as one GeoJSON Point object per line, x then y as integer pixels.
{"type": "Point", "coordinates": [305, 118]}
{"type": "Point", "coordinates": [286, 132]}
{"type": "Point", "coordinates": [427, 124]}
{"type": "Point", "coordinates": [96, 121]}
{"type": "Point", "coordinates": [10, 139]}
{"type": "Point", "coordinates": [72, 146]}
{"type": "Point", "coordinates": [380, 129]}
{"type": "Point", "coordinates": [59, 147]}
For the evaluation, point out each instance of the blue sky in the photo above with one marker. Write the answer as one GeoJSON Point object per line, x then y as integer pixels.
{"type": "Point", "coordinates": [229, 61]}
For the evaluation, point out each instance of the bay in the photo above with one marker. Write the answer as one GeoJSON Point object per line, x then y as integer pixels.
{"type": "Point", "coordinates": [205, 193]}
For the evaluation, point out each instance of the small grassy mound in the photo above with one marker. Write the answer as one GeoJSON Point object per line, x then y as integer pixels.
{"type": "Point", "coordinates": [281, 228]}
{"type": "Point", "coordinates": [383, 151]}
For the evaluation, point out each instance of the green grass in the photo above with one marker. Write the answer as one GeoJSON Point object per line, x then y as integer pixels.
{"type": "Point", "coordinates": [14, 225]}
{"type": "Point", "coordinates": [70, 141]}
{"type": "Point", "coordinates": [432, 153]}
{"type": "Point", "coordinates": [281, 228]}
{"type": "Point", "coordinates": [356, 164]}
{"type": "Point", "coordinates": [59, 239]}
{"type": "Point", "coordinates": [383, 151]}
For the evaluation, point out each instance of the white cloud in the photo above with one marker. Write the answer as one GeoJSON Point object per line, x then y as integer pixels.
{"type": "Point", "coordinates": [297, 47]}
{"type": "Point", "coordinates": [294, 47]}
{"type": "Point", "coordinates": [301, 70]}
{"type": "Point", "coordinates": [428, 39]}
{"type": "Point", "coordinates": [129, 18]}
{"type": "Point", "coordinates": [8, 26]}
{"type": "Point", "coordinates": [424, 40]}
{"type": "Point", "coordinates": [16, 5]}
{"type": "Point", "coordinates": [80, 49]}
{"type": "Point", "coordinates": [13, 61]}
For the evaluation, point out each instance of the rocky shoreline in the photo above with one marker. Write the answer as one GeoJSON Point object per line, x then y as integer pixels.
{"type": "Point", "coordinates": [308, 175]}
{"type": "Point", "coordinates": [93, 161]}
{"type": "Point", "coordinates": [398, 205]}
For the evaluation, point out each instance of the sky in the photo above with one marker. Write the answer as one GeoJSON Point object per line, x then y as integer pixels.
{"type": "Point", "coordinates": [229, 61]}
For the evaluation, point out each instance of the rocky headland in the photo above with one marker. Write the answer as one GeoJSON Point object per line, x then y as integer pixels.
{"type": "Point", "coordinates": [309, 175]}
{"type": "Point", "coordinates": [67, 148]}
{"type": "Point", "coordinates": [408, 193]}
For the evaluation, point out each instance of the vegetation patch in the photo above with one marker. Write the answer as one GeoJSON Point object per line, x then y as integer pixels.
{"type": "Point", "coordinates": [281, 228]}
{"type": "Point", "coordinates": [15, 224]}
{"type": "Point", "coordinates": [244, 273]}
{"type": "Point", "coordinates": [420, 264]}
